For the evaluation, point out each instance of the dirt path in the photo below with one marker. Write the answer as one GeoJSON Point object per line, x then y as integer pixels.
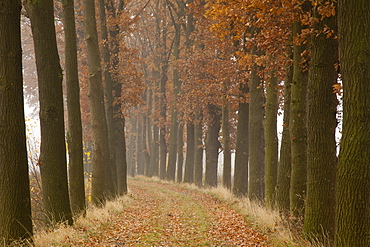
{"type": "Point", "coordinates": [166, 215]}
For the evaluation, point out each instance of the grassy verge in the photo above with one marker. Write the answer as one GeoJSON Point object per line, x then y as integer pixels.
{"type": "Point", "coordinates": [84, 227]}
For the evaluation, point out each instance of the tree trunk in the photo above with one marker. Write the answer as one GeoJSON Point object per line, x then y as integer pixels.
{"type": "Point", "coordinates": [162, 153]}
{"type": "Point", "coordinates": [15, 206]}
{"type": "Point", "coordinates": [148, 169]}
{"type": "Point", "coordinates": [190, 153]}
{"type": "Point", "coordinates": [74, 135]}
{"type": "Point", "coordinates": [284, 168]}
{"type": "Point", "coordinates": [140, 147]}
{"type": "Point", "coordinates": [163, 106]}
{"type": "Point", "coordinates": [171, 167]}
{"type": "Point", "coordinates": [101, 160]}
{"type": "Point", "coordinates": [226, 175]}
{"type": "Point", "coordinates": [271, 155]}
{"type": "Point", "coordinates": [256, 140]}
{"type": "Point", "coordinates": [298, 129]}
{"type": "Point", "coordinates": [319, 223]}
{"type": "Point", "coordinates": [212, 146]}
{"type": "Point", "coordinates": [118, 118]}
{"type": "Point", "coordinates": [353, 184]}
{"type": "Point", "coordinates": [198, 157]}
{"type": "Point", "coordinates": [53, 162]}
{"type": "Point", "coordinates": [111, 178]}
{"type": "Point", "coordinates": [146, 156]}
{"type": "Point", "coordinates": [120, 146]}
{"type": "Point", "coordinates": [172, 155]}
{"type": "Point", "coordinates": [133, 149]}
{"type": "Point", "coordinates": [154, 156]}
{"type": "Point", "coordinates": [180, 153]}
{"type": "Point", "coordinates": [241, 155]}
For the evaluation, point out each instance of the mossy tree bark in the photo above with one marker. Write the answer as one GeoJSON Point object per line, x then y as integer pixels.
{"type": "Point", "coordinates": [101, 160]}
{"type": "Point", "coordinates": [256, 138]}
{"type": "Point", "coordinates": [353, 184]}
{"type": "Point", "coordinates": [319, 223]}
{"type": "Point", "coordinates": [298, 129]}
{"type": "Point", "coordinates": [212, 146]}
{"type": "Point", "coordinates": [74, 135]}
{"type": "Point", "coordinates": [240, 187]}
{"type": "Point", "coordinates": [53, 162]}
{"type": "Point", "coordinates": [15, 206]}
{"type": "Point", "coordinates": [271, 152]}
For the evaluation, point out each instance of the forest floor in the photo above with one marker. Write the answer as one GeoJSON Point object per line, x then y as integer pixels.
{"type": "Point", "coordinates": [157, 213]}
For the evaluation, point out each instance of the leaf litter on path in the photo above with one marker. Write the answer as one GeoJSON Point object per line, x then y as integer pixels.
{"type": "Point", "coordinates": [165, 214]}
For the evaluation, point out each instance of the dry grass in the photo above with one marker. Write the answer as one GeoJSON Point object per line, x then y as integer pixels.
{"type": "Point", "coordinates": [266, 220]}
{"type": "Point", "coordinates": [64, 235]}
{"type": "Point", "coordinates": [282, 231]}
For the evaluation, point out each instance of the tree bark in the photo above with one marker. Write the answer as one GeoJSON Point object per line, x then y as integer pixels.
{"type": "Point", "coordinates": [140, 148]}
{"type": "Point", "coordinates": [353, 184]}
{"type": "Point", "coordinates": [284, 168]}
{"type": "Point", "coordinates": [190, 153]}
{"type": "Point", "coordinates": [53, 162]}
{"type": "Point", "coordinates": [74, 135]}
{"type": "Point", "coordinates": [101, 160]}
{"type": "Point", "coordinates": [198, 157]}
{"type": "Point", "coordinates": [226, 175]}
{"type": "Point", "coordinates": [111, 178]}
{"type": "Point", "coordinates": [256, 140]}
{"type": "Point", "coordinates": [180, 153]}
{"type": "Point", "coordinates": [319, 223]}
{"type": "Point", "coordinates": [212, 146]}
{"type": "Point", "coordinates": [172, 155]}
{"type": "Point", "coordinates": [15, 206]}
{"type": "Point", "coordinates": [154, 155]}
{"type": "Point", "coordinates": [298, 129]}
{"type": "Point", "coordinates": [271, 152]}
{"type": "Point", "coordinates": [119, 135]}
{"type": "Point", "coordinates": [240, 187]}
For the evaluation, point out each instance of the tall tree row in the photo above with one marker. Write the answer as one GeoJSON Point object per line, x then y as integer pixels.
{"type": "Point", "coordinates": [52, 162]}
{"type": "Point", "coordinates": [15, 205]}
{"type": "Point", "coordinates": [280, 61]}
{"type": "Point", "coordinates": [214, 74]}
